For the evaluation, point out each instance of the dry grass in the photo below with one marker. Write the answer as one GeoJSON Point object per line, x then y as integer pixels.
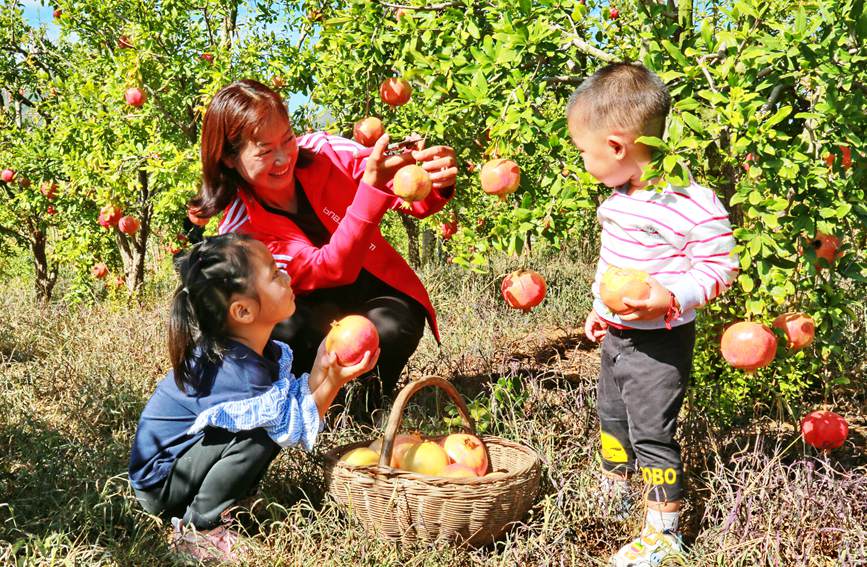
{"type": "Point", "coordinates": [75, 379]}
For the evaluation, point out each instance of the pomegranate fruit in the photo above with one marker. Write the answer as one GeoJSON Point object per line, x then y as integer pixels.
{"type": "Point", "coordinates": [468, 450]}
{"type": "Point", "coordinates": [208, 57]}
{"type": "Point", "coordinates": [456, 470]}
{"type": "Point", "coordinates": [395, 91]}
{"type": "Point", "coordinates": [134, 96]}
{"type": "Point", "coordinates": [124, 42]}
{"type": "Point", "coordinates": [618, 283]}
{"type": "Point", "coordinates": [500, 177]}
{"type": "Point", "coordinates": [824, 430]}
{"type": "Point", "coordinates": [799, 329]}
{"type": "Point", "coordinates": [425, 458]}
{"type": "Point", "coordinates": [48, 189]}
{"type": "Point", "coordinates": [523, 289]}
{"type": "Point", "coordinates": [109, 216]}
{"type": "Point", "coordinates": [360, 457]}
{"type": "Point", "coordinates": [411, 183]}
{"type": "Point", "coordinates": [128, 225]}
{"type": "Point", "coordinates": [748, 346]}
{"type": "Point", "coordinates": [350, 338]}
{"type": "Point", "coordinates": [99, 271]}
{"type": "Point", "coordinates": [448, 229]}
{"type": "Point", "coordinates": [368, 130]}
{"type": "Point", "coordinates": [402, 442]}
{"type": "Point", "coordinates": [827, 248]}
{"type": "Point", "coordinates": [7, 175]}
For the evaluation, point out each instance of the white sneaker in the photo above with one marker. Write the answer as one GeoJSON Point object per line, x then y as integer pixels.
{"type": "Point", "coordinates": [651, 549]}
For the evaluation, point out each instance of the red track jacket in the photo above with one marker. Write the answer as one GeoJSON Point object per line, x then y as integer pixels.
{"type": "Point", "coordinates": [350, 210]}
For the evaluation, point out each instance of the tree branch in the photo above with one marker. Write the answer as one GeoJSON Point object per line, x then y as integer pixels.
{"type": "Point", "coordinates": [774, 97]}
{"type": "Point", "coordinates": [564, 79]}
{"type": "Point", "coordinates": [593, 51]}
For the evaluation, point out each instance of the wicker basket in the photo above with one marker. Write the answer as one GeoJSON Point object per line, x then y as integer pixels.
{"type": "Point", "coordinates": [404, 506]}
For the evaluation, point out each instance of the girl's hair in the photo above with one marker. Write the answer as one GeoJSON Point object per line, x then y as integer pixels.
{"type": "Point", "coordinates": [211, 273]}
{"type": "Point", "coordinates": [233, 116]}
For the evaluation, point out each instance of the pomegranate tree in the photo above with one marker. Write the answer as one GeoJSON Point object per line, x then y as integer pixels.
{"type": "Point", "coordinates": [350, 338]}
{"type": "Point", "coordinates": [523, 289]}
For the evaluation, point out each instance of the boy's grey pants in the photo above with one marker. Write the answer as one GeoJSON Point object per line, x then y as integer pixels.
{"type": "Point", "coordinates": [642, 381]}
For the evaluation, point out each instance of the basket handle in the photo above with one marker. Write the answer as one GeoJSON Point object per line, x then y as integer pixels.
{"type": "Point", "coordinates": [395, 418]}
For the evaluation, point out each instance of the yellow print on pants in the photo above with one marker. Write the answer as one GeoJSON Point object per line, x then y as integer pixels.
{"type": "Point", "coordinates": [612, 450]}
{"type": "Point", "coordinates": [655, 476]}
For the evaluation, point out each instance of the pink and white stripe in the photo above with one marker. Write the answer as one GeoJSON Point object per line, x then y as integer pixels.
{"type": "Point", "coordinates": [681, 237]}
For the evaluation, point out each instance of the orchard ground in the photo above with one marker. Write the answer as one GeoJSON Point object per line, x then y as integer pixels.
{"type": "Point", "coordinates": [74, 380]}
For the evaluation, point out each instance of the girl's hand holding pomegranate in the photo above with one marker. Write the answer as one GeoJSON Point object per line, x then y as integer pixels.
{"type": "Point", "coordinates": [328, 376]}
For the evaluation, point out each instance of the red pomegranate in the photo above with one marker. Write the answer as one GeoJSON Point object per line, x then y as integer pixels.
{"type": "Point", "coordinates": [395, 91]}
{"type": "Point", "coordinates": [798, 327]}
{"type": "Point", "coordinates": [748, 346]}
{"type": "Point", "coordinates": [7, 175]}
{"type": "Point", "coordinates": [128, 224]}
{"type": "Point", "coordinates": [824, 430]}
{"type": "Point", "coordinates": [411, 183]}
{"type": "Point", "coordinates": [500, 177]}
{"type": "Point", "coordinates": [523, 289]}
{"type": "Point", "coordinates": [48, 189]}
{"type": "Point", "coordinates": [368, 130]}
{"type": "Point", "coordinates": [109, 216]}
{"type": "Point", "coordinates": [448, 229]}
{"type": "Point", "coordinates": [350, 338]}
{"type": "Point", "coordinates": [827, 247]}
{"type": "Point", "coordinates": [134, 96]}
{"type": "Point", "coordinates": [467, 450]}
{"type": "Point", "coordinates": [99, 270]}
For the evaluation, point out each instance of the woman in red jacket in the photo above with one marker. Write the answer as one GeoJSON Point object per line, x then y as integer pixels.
{"type": "Point", "coordinates": [317, 202]}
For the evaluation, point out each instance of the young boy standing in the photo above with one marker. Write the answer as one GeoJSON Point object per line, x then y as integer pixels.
{"type": "Point", "coordinates": [681, 237]}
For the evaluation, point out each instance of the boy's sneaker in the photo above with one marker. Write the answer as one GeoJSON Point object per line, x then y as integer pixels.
{"type": "Point", "coordinates": [219, 545]}
{"type": "Point", "coordinates": [651, 549]}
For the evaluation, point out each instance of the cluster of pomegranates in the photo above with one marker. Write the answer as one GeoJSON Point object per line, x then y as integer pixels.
{"type": "Point", "coordinates": [459, 455]}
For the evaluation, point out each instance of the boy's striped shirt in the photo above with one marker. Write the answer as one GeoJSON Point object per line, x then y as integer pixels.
{"type": "Point", "coordinates": [681, 236]}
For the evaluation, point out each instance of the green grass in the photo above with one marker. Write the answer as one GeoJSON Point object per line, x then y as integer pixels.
{"type": "Point", "coordinates": [74, 380]}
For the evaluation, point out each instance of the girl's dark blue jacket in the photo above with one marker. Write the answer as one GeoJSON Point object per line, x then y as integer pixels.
{"type": "Point", "coordinates": [162, 435]}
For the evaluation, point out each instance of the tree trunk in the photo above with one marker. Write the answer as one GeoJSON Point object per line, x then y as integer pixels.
{"type": "Point", "coordinates": [133, 247]}
{"type": "Point", "coordinates": [428, 247]}
{"type": "Point", "coordinates": [411, 226]}
{"type": "Point", "coordinates": [45, 278]}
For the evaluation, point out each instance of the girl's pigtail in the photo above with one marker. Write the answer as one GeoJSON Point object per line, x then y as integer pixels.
{"type": "Point", "coordinates": [182, 336]}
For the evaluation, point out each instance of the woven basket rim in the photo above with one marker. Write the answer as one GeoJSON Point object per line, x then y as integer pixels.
{"type": "Point", "coordinates": [386, 473]}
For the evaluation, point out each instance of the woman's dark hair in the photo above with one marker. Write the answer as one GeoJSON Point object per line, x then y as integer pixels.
{"type": "Point", "coordinates": [231, 118]}
{"type": "Point", "coordinates": [211, 273]}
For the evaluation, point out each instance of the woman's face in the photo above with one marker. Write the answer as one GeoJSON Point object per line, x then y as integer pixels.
{"type": "Point", "coordinates": [267, 160]}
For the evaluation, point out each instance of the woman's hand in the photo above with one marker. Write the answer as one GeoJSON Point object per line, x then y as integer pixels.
{"type": "Point", "coordinates": [438, 161]}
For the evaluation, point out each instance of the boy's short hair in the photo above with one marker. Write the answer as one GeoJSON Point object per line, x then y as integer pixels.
{"type": "Point", "coordinates": [622, 95]}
